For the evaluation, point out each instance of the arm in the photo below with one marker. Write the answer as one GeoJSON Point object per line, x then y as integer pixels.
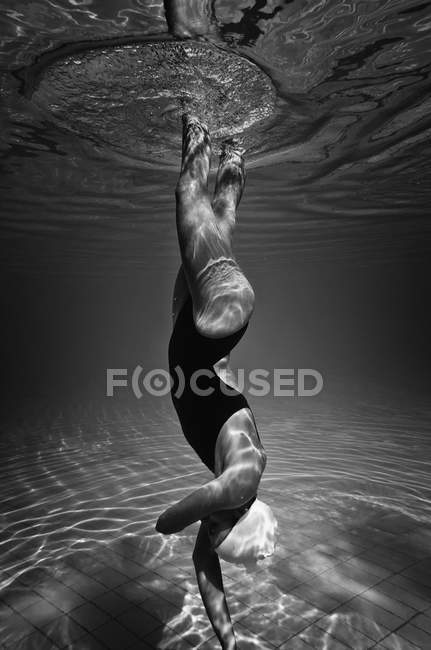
{"type": "Point", "coordinates": [209, 577]}
{"type": "Point", "coordinates": [225, 492]}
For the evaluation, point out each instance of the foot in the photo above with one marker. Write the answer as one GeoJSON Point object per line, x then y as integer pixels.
{"type": "Point", "coordinates": [180, 104]}
{"type": "Point", "coordinates": [232, 148]}
{"type": "Point", "coordinates": [196, 148]}
{"type": "Point", "coordinates": [230, 177]}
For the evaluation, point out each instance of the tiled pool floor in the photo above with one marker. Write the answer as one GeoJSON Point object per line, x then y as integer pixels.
{"type": "Point", "coordinates": [85, 569]}
{"type": "Point", "coordinates": [372, 593]}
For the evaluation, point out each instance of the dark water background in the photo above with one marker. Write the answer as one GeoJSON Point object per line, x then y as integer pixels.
{"type": "Point", "coordinates": [334, 234]}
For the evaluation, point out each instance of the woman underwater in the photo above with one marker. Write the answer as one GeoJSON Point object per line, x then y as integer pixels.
{"type": "Point", "coordinates": [212, 304]}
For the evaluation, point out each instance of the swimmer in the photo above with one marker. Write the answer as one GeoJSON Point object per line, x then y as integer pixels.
{"type": "Point", "coordinates": [212, 304]}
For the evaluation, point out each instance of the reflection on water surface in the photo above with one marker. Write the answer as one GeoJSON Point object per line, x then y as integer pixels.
{"type": "Point", "coordinates": [340, 168]}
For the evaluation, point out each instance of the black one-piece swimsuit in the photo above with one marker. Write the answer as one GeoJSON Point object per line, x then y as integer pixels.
{"type": "Point", "coordinates": [201, 417]}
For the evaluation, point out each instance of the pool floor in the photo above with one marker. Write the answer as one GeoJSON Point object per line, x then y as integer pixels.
{"type": "Point", "coordinates": [84, 568]}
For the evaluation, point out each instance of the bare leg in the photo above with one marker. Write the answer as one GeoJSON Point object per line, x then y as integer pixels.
{"type": "Point", "coordinates": [223, 299]}
{"type": "Point", "coordinates": [227, 195]}
{"type": "Point", "coordinates": [229, 184]}
{"type": "Point", "coordinates": [210, 581]}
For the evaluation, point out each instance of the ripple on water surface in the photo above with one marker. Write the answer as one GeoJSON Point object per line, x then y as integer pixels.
{"type": "Point", "coordinates": [131, 96]}
{"type": "Point", "coordinates": [331, 98]}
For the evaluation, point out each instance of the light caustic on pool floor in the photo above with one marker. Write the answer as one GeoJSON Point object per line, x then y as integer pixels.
{"type": "Point", "coordinates": [81, 493]}
{"type": "Point", "coordinates": [131, 96]}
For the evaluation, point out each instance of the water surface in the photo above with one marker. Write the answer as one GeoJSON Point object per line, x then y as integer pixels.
{"type": "Point", "coordinates": [344, 162]}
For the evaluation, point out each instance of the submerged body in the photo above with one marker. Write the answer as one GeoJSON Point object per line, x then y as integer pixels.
{"type": "Point", "coordinates": [212, 304]}
{"type": "Point", "coordinates": [210, 392]}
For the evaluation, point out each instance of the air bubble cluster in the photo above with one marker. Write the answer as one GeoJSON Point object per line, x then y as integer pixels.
{"type": "Point", "coordinates": [132, 97]}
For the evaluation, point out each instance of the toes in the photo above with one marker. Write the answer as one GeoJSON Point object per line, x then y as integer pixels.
{"type": "Point", "coordinates": [232, 147]}
{"type": "Point", "coordinates": [192, 123]}
{"type": "Point", "coordinates": [231, 166]}
{"type": "Point", "coordinates": [196, 138]}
